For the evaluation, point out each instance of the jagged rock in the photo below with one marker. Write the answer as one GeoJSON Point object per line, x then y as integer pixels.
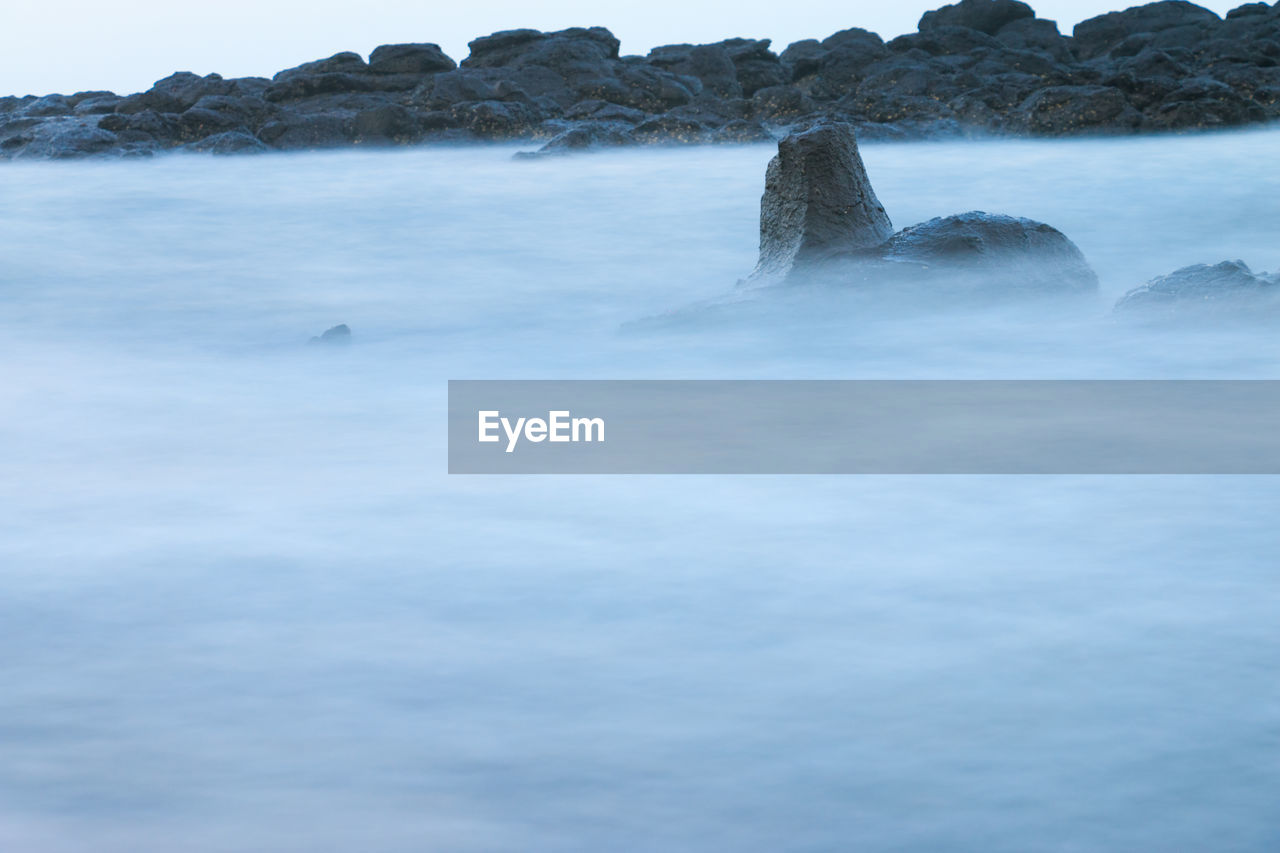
{"type": "Point", "coordinates": [1096, 36]}
{"type": "Point", "coordinates": [1226, 289]}
{"type": "Point", "coordinates": [818, 203]}
{"type": "Point", "coordinates": [176, 93]}
{"type": "Point", "coordinates": [709, 63]}
{"type": "Point", "coordinates": [986, 16]}
{"type": "Point", "coordinates": [755, 66]}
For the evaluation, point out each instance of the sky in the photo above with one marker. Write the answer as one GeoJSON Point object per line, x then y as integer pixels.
{"type": "Point", "coordinates": [125, 45]}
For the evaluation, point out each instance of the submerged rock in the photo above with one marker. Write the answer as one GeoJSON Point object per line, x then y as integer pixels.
{"type": "Point", "coordinates": [991, 252]}
{"type": "Point", "coordinates": [339, 335]}
{"type": "Point", "coordinates": [818, 203]}
{"type": "Point", "coordinates": [1226, 289]}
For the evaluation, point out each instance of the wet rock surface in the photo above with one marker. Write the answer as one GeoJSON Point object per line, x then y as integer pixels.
{"type": "Point", "coordinates": [1226, 290]}
{"type": "Point", "coordinates": [973, 67]}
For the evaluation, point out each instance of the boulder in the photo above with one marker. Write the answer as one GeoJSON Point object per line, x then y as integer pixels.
{"type": "Point", "coordinates": [340, 63]}
{"type": "Point", "coordinates": [1096, 36]}
{"type": "Point", "coordinates": [1034, 33]}
{"type": "Point", "coordinates": [986, 16]}
{"type": "Point", "coordinates": [176, 93]}
{"type": "Point", "coordinates": [1249, 10]}
{"type": "Point", "coordinates": [568, 52]}
{"type": "Point", "coordinates": [1226, 289]}
{"type": "Point", "coordinates": [387, 124]}
{"type": "Point", "coordinates": [410, 59]}
{"type": "Point", "coordinates": [755, 66]}
{"type": "Point", "coordinates": [989, 252]}
{"type": "Point", "coordinates": [709, 63]}
{"type": "Point", "coordinates": [1064, 110]}
{"type": "Point", "coordinates": [818, 203]}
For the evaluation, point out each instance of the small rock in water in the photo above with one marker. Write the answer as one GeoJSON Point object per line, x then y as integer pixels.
{"type": "Point", "coordinates": [339, 335]}
{"type": "Point", "coordinates": [1226, 289]}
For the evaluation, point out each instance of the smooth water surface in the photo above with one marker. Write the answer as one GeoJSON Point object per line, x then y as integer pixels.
{"type": "Point", "coordinates": [242, 608]}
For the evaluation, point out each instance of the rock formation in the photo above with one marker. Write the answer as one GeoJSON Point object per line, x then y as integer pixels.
{"type": "Point", "coordinates": [820, 222]}
{"type": "Point", "coordinates": [976, 66]}
{"type": "Point", "coordinates": [818, 203]}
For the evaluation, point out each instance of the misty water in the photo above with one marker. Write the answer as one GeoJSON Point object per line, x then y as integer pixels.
{"type": "Point", "coordinates": [243, 608]}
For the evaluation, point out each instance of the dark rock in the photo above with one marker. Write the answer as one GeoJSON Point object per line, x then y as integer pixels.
{"type": "Point", "coordinates": [410, 59]}
{"type": "Point", "coordinates": [818, 203]}
{"type": "Point", "coordinates": [568, 52]}
{"type": "Point", "coordinates": [1203, 103]}
{"type": "Point", "coordinates": [986, 16]}
{"type": "Point", "coordinates": [603, 111]}
{"type": "Point", "coordinates": [303, 85]}
{"type": "Point", "coordinates": [1227, 289]}
{"type": "Point", "coordinates": [496, 119]}
{"type": "Point", "coordinates": [97, 103]}
{"type": "Point", "coordinates": [176, 93]}
{"type": "Point", "coordinates": [668, 129]}
{"type": "Point", "coordinates": [943, 41]}
{"type": "Point", "coordinates": [1249, 10]}
{"type": "Point", "coordinates": [742, 132]}
{"type": "Point", "coordinates": [299, 131]}
{"type": "Point", "coordinates": [62, 138]}
{"type": "Point", "coordinates": [709, 63]}
{"type": "Point", "coordinates": [975, 66]}
{"type": "Point", "coordinates": [49, 105]}
{"type": "Point", "coordinates": [340, 63]}
{"type": "Point", "coordinates": [1098, 35]}
{"type": "Point", "coordinates": [232, 142]}
{"type": "Point", "coordinates": [755, 65]}
{"type": "Point", "coordinates": [1063, 110]}
{"type": "Point", "coordinates": [1035, 34]}
{"type": "Point", "coordinates": [389, 123]}
{"type": "Point", "coordinates": [781, 103]}
{"type": "Point", "coordinates": [989, 252]}
{"type": "Point", "coordinates": [339, 335]}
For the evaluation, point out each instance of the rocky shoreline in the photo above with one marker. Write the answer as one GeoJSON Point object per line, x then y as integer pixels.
{"type": "Point", "coordinates": [977, 67]}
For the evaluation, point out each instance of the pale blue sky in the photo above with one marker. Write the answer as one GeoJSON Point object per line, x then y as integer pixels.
{"type": "Point", "coordinates": [125, 45]}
